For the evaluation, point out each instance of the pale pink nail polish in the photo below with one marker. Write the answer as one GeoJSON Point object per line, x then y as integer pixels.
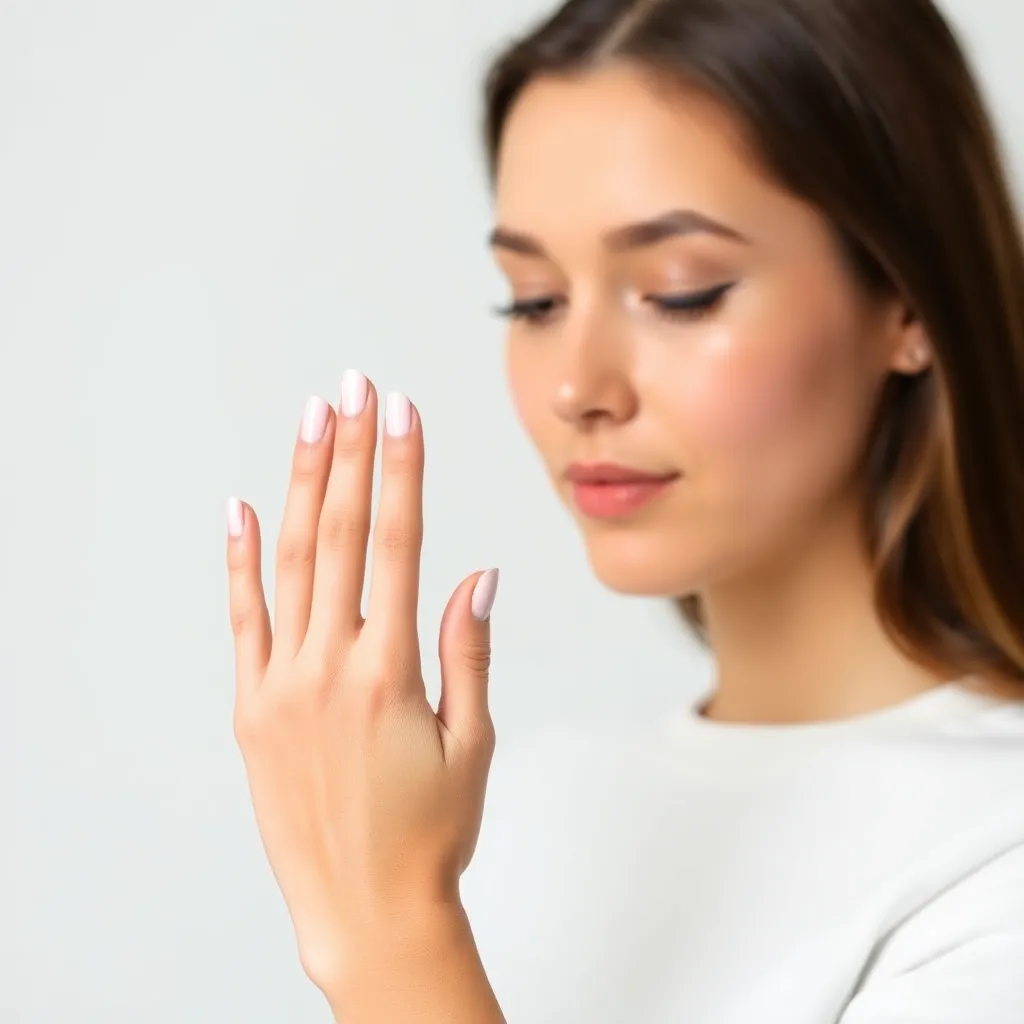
{"type": "Point", "coordinates": [354, 390]}
{"type": "Point", "coordinates": [236, 517]}
{"type": "Point", "coordinates": [484, 593]}
{"type": "Point", "coordinates": [314, 420]}
{"type": "Point", "coordinates": [397, 415]}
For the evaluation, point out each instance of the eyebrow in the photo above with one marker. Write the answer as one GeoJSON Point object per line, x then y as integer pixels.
{"type": "Point", "coordinates": [673, 224]}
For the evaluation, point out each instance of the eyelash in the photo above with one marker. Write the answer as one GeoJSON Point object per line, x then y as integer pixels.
{"type": "Point", "coordinates": [684, 306]}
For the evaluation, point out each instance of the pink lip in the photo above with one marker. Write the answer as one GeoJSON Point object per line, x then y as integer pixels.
{"type": "Point", "coordinates": [613, 500]}
{"type": "Point", "coordinates": [608, 491]}
{"type": "Point", "coordinates": [612, 473]}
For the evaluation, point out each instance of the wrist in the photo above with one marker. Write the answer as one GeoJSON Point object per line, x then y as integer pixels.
{"type": "Point", "coordinates": [401, 952]}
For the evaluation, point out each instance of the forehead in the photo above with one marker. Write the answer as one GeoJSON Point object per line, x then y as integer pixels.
{"type": "Point", "coordinates": [609, 146]}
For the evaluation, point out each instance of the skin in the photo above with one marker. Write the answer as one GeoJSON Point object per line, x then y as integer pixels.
{"type": "Point", "coordinates": [762, 403]}
{"type": "Point", "coordinates": [368, 801]}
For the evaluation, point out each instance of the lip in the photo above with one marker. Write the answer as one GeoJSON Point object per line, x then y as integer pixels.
{"type": "Point", "coordinates": [612, 473]}
{"type": "Point", "coordinates": [608, 491]}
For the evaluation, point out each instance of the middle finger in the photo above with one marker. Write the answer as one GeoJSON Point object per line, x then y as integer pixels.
{"type": "Point", "coordinates": [345, 519]}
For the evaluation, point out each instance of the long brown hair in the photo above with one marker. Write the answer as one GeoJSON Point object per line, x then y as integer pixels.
{"type": "Point", "coordinates": [867, 109]}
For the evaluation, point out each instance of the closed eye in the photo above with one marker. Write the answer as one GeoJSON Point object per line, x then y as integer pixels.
{"type": "Point", "coordinates": [532, 310]}
{"type": "Point", "coordinates": [689, 305]}
{"type": "Point", "coordinates": [682, 306]}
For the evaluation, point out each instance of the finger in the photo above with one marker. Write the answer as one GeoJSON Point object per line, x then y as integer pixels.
{"type": "Point", "coordinates": [345, 518]}
{"type": "Point", "coordinates": [296, 546]}
{"type": "Point", "coordinates": [250, 621]}
{"type": "Point", "coordinates": [398, 531]}
{"type": "Point", "coordinates": [464, 648]}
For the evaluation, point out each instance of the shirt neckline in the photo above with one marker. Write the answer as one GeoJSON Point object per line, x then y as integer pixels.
{"type": "Point", "coordinates": [939, 703]}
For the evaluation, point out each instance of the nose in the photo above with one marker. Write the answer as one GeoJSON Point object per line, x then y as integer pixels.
{"type": "Point", "coordinates": [593, 383]}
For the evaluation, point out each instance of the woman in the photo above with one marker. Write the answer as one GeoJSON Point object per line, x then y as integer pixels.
{"type": "Point", "coordinates": [768, 337]}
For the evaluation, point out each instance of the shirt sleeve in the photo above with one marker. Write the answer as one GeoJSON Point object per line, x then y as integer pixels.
{"type": "Point", "coordinates": [959, 960]}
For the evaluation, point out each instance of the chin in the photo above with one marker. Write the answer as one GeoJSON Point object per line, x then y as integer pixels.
{"type": "Point", "coordinates": [643, 564]}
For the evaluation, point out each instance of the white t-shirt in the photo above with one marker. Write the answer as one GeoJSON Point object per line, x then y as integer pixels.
{"type": "Point", "coordinates": [863, 871]}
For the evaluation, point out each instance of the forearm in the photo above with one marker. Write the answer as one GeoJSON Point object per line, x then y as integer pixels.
{"type": "Point", "coordinates": [431, 975]}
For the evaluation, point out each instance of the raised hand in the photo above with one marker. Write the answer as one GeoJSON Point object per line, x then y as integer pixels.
{"type": "Point", "coordinates": [368, 803]}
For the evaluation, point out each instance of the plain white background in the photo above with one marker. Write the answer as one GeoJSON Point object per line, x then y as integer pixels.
{"type": "Point", "coordinates": [209, 209]}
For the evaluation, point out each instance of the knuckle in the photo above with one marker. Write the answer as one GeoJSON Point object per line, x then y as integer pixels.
{"type": "Point", "coordinates": [399, 467]}
{"type": "Point", "coordinates": [243, 617]}
{"type": "Point", "coordinates": [307, 468]}
{"type": "Point", "coordinates": [487, 737]}
{"type": "Point", "coordinates": [315, 672]}
{"type": "Point", "coordinates": [481, 741]}
{"type": "Point", "coordinates": [369, 686]}
{"type": "Point", "coordinates": [285, 710]}
{"type": "Point", "coordinates": [238, 559]}
{"type": "Point", "coordinates": [476, 654]}
{"type": "Point", "coordinates": [382, 655]}
{"type": "Point", "coordinates": [401, 459]}
{"type": "Point", "coordinates": [293, 700]}
{"type": "Point", "coordinates": [244, 726]}
{"type": "Point", "coordinates": [320, 965]}
{"type": "Point", "coordinates": [349, 443]}
{"type": "Point", "coordinates": [398, 540]}
{"type": "Point", "coordinates": [296, 553]}
{"type": "Point", "coordinates": [373, 700]}
{"type": "Point", "coordinates": [343, 527]}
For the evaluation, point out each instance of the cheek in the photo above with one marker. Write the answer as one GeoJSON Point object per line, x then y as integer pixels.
{"type": "Point", "coordinates": [758, 404]}
{"type": "Point", "coordinates": [735, 394]}
{"type": "Point", "coordinates": [524, 376]}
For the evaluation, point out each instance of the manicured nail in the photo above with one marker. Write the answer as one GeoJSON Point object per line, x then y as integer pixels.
{"type": "Point", "coordinates": [397, 415]}
{"type": "Point", "coordinates": [314, 420]}
{"type": "Point", "coordinates": [354, 389]}
{"type": "Point", "coordinates": [482, 600]}
{"type": "Point", "coordinates": [236, 517]}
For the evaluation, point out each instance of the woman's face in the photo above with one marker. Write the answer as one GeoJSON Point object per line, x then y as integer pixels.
{"type": "Point", "coordinates": [755, 403]}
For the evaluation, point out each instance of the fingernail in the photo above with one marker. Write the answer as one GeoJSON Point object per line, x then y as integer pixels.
{"type": "Point", "coordinates": [397, 415]}
{"type": "Point", "coordinates": [482, 600]}
{"type": "Point", "coordinates": [354, 389]}
{"type": "Point", "coordinates": [235, 517]}
{"type": "Point", "coordinates": [314, 420]}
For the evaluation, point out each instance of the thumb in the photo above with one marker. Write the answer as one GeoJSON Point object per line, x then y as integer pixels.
{"type": "Point", "coordinates": [464, 648]}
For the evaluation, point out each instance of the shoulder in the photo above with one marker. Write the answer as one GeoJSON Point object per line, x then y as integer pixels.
{"type": "Point", "coordinates": [957, 957]}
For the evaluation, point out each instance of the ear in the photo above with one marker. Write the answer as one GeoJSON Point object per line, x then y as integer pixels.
{"type": "Point", "coordinates": [910, 349]}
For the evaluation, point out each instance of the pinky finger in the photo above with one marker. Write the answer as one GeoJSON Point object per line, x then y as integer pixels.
{"type": "Point", "coordinates": [250, 620]}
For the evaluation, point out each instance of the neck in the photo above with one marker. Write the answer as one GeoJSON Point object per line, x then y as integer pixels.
{"type": "Point", "coordinates": [800, 641]}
